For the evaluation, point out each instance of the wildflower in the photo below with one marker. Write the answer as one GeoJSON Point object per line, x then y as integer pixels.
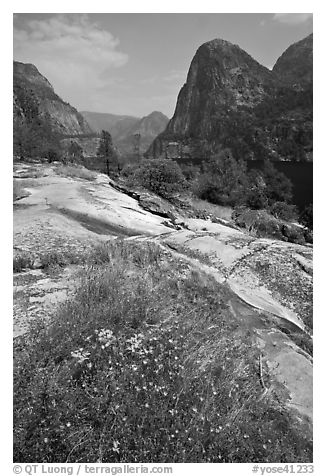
{"type": "Point", "coordinates": [46, 440]}
{"type": "Point", "coordinates": [146, 405]}
{"type": "Point", "coordinates": [135, 342]}
{"type": "Point", "coordinates": [80, 355]}
{"type": "Point", "coordinates": [68, 424]}
{"type": "Point", "coordinates": [116, 445]}
{"type": "Point", "coordinates": [105, 337]}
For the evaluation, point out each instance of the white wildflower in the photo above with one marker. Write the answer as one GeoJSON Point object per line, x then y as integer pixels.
{"type": "Point", "coordinates": [80, 355]}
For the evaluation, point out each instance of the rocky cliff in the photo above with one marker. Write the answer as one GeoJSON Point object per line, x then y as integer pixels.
{"type": "Point", "coordinates": [34, 97]}
{"type": "Point", "coordinates": [230, 100]}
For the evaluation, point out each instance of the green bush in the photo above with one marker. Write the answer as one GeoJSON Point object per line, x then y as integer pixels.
{"type": "Point", "coordinates": [284, 211]}
{"type": "Point", "coordinates": [21, 262]}
{"type": "Point", "coordinates": [224, 180]}
{"type": "Point", "coordinates": [161, 176]}
{"type": "Point", "coordinates": [278, 186]}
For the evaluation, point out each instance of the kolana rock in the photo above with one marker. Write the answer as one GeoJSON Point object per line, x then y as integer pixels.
{"type": "Point", "coordinates": [231, 101]}
{"type": "Point", "coordinates": [35, 96]}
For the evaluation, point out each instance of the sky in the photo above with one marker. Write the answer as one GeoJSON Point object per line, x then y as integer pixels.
{"type": "Point", "coordinates": [136, 63]}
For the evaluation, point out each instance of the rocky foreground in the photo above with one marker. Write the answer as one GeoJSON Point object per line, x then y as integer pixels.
{"type": "Point", "coordinates": [269, 282]}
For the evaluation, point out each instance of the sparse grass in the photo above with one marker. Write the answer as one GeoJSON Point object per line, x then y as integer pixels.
{"type": "Point", "coordinates": [145, 363]}
{"type": "Point", "coordinates": [24, 261]}
{"type": "Point", "coordinates": [75, 171]}
{"type": "Point", "coordinates": [110, 252]}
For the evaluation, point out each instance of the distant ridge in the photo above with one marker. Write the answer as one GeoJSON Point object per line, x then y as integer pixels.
{"type": "Point", "coordinates": [123, 128]}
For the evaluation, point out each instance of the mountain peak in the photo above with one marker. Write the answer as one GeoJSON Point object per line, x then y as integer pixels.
{"type": "Point", "coordinates": [232, 101]}
{"type": "Point", "coordinates": [295, 65]}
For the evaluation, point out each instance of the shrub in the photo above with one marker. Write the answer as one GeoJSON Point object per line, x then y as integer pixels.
{"type": "Point", "coordinates": [128, 170]}
{"type": "Point", "coordinates": [284, 211]}
{"type": "Point", "coordinates": [278, 186]}
{"type": "Point", "coordinates": [190, 172]}
{"type": "Point", "coordinates": [161, 176]}
{"type": "Point", "coordinates": [258, 222]}
{"type": "Point", "coordinates": [22, 261]}
{"type": "Point", "coordinates": [255, 195]}
{"type": "Point", "coordinates": [224, 180]}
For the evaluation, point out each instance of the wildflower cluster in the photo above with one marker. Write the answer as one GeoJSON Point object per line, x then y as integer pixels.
{"type": "Point", "coordinates": [105, 337]}
{"type": "Point", "coordinates": [80, 355]}
{"type": "Point", "coordinates": [174, 383]}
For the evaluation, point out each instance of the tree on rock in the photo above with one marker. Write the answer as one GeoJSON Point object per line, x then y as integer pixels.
{"type": "Point", "coordinates": [106, 149]}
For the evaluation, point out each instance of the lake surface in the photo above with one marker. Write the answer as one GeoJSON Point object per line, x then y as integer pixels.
{"type": "Point", "coordinates": [300, 174]}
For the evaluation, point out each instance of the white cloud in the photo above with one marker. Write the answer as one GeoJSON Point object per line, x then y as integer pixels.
{"type": "Point", "coordinates": [292, 18]}
{"type": "Point", "coordinates": [73, 53]}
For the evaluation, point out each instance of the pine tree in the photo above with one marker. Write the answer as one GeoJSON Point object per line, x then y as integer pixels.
{"type": "Point", "coordinates": [106, 150]}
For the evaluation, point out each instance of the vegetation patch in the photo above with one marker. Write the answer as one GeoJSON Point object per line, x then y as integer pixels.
{"type": "Point", "coordinates": [161, 176]}
{"type": "Point", "coordinates": [22, 261]}
{"type": "Point", "coordinates": [75, 171]}
{"type": "Point", "coordinates": [145, 363]}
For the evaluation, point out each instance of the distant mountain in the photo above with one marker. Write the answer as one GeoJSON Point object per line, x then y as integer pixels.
{"type": "Point", "coordinates": [115, 124]}
{"type": "Point", "coordinates": [34, 97]}
{"type": "Point", "coordinates": [124, 128]}
{"type": "Point", "coordinates": [231, 101]}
